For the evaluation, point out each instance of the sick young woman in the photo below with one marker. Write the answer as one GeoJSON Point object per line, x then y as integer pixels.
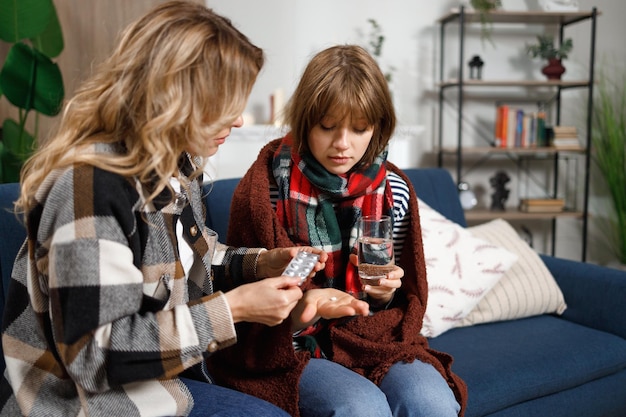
{"type": "Point", "coordinates": [309, 188]}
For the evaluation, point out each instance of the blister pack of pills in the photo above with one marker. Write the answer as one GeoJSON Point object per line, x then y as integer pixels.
{"type": "Point", "coordinates": [301, 265]}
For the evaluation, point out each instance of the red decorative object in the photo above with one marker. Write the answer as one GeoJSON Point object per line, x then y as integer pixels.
{"type": "Point", "coordinates": [554, 69]}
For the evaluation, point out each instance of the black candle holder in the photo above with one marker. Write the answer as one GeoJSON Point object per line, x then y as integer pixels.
{"type": "Point", "coordinates": [476, 68]}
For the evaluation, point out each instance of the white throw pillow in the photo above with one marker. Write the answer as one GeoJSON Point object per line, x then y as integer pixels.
{"type": "Point", "coordinates": [461, 269]}
{"type": "Point", "coordinates": [527, 289]}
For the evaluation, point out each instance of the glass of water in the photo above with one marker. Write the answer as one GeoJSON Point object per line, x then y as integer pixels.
{"type": "Point", "coordinates": [375, 248]}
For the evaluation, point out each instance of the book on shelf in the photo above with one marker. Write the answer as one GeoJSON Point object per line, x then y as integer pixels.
{"type": "Point", "coordinates": [517, 127]}
{"type": "Point", "coordinates": [541, 138]}
{"type": "Point", "coordinates": [541, 209]}
{"type": "Point", "coordinates": [565, 131]}
{"type": "Point", "coordinates": [565, 137]}
{"type": "Point", "coordinates": [542, 205]}
{"type": "Point", "coordinates": [573, 143]}
{"type": "Point", "coordinates": [502, 117]}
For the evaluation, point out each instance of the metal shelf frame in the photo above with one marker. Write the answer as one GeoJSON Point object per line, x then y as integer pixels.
{"type": "Point", "coordinates": [563, 19]}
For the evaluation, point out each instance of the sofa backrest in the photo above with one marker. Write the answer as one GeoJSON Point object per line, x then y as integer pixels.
{"type": "Point", "coordinates": [433, 185]}
{"type": "Point", "coordinates": [218, 195]}
{"type": "Point", "coordinates": [436, 188]}
{"type": "Point", "coordinates": [12, 235]}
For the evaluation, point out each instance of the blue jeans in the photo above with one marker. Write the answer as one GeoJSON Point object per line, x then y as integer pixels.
{"type": "Point", "coordinates": [408, 389]}
{"type": "Point", "coordinates": [215, 401]}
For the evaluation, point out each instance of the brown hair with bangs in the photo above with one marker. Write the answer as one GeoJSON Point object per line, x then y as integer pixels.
{"type": "Point", "coordinates": [347, 80]}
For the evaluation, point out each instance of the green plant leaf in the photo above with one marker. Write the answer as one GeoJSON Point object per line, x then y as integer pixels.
{"type": "Point", "coordinates": [17, 147]}
{"type": "Point", "coordinates": [30, 80]}
{"type": "Point", "coordinates": [10, 165]}
{"type": "Point", "coordinates": [609, 146]}
{"type": "Point", "coordinates": [23, 19]}
{"type": "Point", "coordinates": [17, 140]}
{"type": "Point", "coordinates": [546, 49]}
{"type": "Point", "coordinates": [50, 41]}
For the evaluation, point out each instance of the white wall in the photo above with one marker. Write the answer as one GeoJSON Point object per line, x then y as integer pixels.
{"type": "Point", "coordinates": [291, 31]}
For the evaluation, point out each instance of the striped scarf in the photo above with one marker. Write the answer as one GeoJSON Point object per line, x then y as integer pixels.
{"type": "Point", "coordinates": [321, 209]}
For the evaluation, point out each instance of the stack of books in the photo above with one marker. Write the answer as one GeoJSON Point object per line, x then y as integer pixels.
{"type": "Point", "coordinates": [542, 205]}
{"type": "Point", "coordinates": [565, 137]}
{"type": "Point", "coordinates": [519, 128]}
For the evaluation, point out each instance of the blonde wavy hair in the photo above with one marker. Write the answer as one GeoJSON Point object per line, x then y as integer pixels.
{"type": "Point", "coordinates": [345, 79]}
{"type": "Point", "coordinates": [179, 75]}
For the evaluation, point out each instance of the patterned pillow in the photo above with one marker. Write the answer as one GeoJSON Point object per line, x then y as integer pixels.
{"type": "Point", "coordinates": [527, 289]}
{"type": "Point", "coordinates": [460, 267]}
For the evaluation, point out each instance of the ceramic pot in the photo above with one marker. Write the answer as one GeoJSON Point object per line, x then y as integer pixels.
{"type": "Point", "coordinates": [554, 69]}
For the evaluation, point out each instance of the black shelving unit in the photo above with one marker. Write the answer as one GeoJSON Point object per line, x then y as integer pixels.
{"type": "Point", "coordinates": [463, 18]}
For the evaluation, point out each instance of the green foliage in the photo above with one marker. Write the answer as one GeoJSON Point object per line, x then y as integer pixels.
{"type": "Point", "coordinates": [376, 39]}
{"type": "Point", "coordinates": [375, 45]}
{"type": "Point", "coordinates": [29, 79]}
{"type": "Point", "coordinates": [609, 146]}
{"type": "Point", "coordinates": [545, 48]}
{"type": "Point", "coordinates": [484, 7]}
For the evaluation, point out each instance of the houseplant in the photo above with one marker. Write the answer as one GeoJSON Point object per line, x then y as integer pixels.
{"type": "Point", "coordinates": [546, 49]}
{"type": "Point", "coordinates": [484, 8]}
{"type": "Point", "coordinates": [375, 45]}
{"type": "Point", "coordinates": [29, 79]}
{"type": "Point", "coordinates": [609, 152]}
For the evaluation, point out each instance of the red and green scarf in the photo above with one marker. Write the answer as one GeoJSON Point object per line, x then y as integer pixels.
{"type": "Point", "coordinates": [321, 209]}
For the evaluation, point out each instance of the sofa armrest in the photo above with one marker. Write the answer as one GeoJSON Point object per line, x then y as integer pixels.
{"type": "Point", "coordinates": [595, 295]}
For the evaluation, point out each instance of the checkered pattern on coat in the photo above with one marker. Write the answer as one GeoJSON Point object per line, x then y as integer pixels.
{"type": "Point", "coordinates": [101, 317]}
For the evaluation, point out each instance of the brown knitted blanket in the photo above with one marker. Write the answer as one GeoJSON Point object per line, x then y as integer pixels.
{"type": "Point", "coordinates": [263, 362]}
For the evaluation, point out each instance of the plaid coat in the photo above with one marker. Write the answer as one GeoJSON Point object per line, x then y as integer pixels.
{"type": "Point", "coordinates": [101, 318]}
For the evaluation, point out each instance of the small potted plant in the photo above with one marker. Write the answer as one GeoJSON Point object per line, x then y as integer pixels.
{"type": "Point", "coordinates": [546, 49]}
{"type": "Point", "coordinates": [375, 45]}
{"type": "Point", "coordinates": [484, 8]}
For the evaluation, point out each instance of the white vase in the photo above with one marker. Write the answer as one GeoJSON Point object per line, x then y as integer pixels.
{"type": "Point", "coordinates": [559, 5]}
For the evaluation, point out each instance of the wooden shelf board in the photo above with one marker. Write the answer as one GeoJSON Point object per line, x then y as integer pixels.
{"type": "Point", "coordinates": [515, 214]}
{"type": "Point", "coordinates": [532, 17]}
{"type": "Point", "coordinates": [481, 150]}
{"type": "Point", "coordinates": [514, 83]}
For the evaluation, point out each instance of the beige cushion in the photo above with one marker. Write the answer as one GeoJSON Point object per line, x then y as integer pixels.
{"type": "Point", "coordinates": [526, 289]}
{"type": "Point", "coordinates": [461, 269]}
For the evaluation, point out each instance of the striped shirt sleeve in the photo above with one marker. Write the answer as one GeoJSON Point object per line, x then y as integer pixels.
{"type": "Point", "coordinates": [401, 215]}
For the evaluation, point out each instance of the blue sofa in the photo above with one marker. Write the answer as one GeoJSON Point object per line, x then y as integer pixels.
{"type": "Point", "coordinates": [549, 366]}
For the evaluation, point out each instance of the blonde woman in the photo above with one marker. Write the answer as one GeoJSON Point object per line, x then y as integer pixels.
{"type": "Point", "coordinates": [120, 291]}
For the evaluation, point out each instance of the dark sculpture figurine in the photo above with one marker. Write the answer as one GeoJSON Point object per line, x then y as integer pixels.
{"type": "Point", "coordinates": [500, 193]}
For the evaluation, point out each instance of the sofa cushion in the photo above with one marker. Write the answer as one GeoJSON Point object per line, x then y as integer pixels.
{"type": "Point", "coordinates": [593, 399]}
{"type": "Point", "coordinates": [595, 294]}
{"type": "Point", "coordinates": [526, 289]}
{"type": "Point", "coordinates": [507, 363]}
{"type": "Point", "coordinates": [461, 270]}
{"type": "Point", "coordinates": [217, 197]}
{"type": "Point", "coordinates": [12, 231]}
